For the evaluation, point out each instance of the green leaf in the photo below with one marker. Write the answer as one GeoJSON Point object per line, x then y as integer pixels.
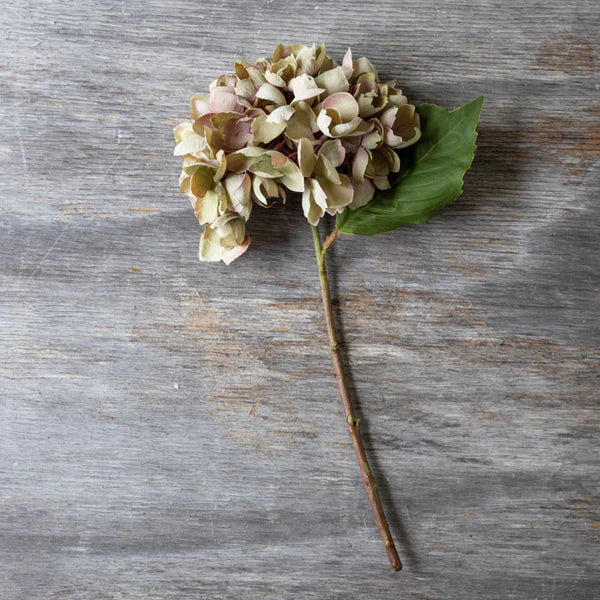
{"type": "Point", "coordinates": [431, 175]}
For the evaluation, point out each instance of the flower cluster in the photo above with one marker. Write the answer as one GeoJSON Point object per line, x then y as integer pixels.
{"type": "Point", "coordinates": [298, 121]}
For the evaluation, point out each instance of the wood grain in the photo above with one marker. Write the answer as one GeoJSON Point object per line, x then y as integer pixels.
{"type": "Point", "coordinates": [170, 429]}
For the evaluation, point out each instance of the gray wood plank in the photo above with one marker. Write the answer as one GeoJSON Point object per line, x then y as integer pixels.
{"type": "Point", "coordinates": [171, 429]}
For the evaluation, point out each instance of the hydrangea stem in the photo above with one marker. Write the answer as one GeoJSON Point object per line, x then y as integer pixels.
{"type": "Point", "coordinates": [351, 421]}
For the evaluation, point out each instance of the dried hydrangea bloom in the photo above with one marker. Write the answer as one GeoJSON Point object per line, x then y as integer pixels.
{"type": "Point", "coordinates": [297, 122]}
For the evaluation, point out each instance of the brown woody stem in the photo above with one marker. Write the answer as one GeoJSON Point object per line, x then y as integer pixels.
{"type": "Point", "coordinates": [351, 421]}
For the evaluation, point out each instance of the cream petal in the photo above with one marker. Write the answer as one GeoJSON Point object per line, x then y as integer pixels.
{"type": "Point", "coordinates": [333, 81]}
{"type": "Point", "coordinates": [269, 92]}
{"type": "Point", "coordinates": [306, 157]}
{"type": "Point", "coordinates": [199, 105]}
{"type": "Point", "coordinates": [344, 129]}
{"type": "Point", "coordinates": [192, 144]}
{"type": "Point", "coordinates": [274, 79]}
{"type": "Point", "coordinates": [302, 123]}
{"type": "Point", "coordinates": [325, 170]}
{"type": "Point", "coordinates": [206, 208]}
{"type": "Point", "coordinates": [324, 122]}
{"type": "Point", "coordinates": [238, 187]}
{"type": "Point", "coordinates": [245, 89]}
{"type": "Point", "coordinates": [388, 117]}
{"type": "Point", "coordinates": [364, 65]}
{"type": "Point", "coordinates": [281, 114]}
{"type": "Point", "coordinates": [183, 130]}
{"type": "Point", "coordinates": [210, 248]}
{"type": "Point", "coordinates": [313, 202]}
{"type": "Point", "coordinates": [339, 195]}
{"type": "Point", "coordinates": [291, 176]}
{"type": "Point", "coordinates": [359, 165]}
{"type": "Point", "coordinates": [304, 88]}
{"type": "Point", "coordinates": [333, 151]}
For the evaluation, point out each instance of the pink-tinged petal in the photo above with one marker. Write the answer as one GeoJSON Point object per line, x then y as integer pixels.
{"type": "Point", "coordinates": [347, 65]}
{"type": "Point", "coordinates": [237, 134]}
{"type": "Point", "coordinates": [343, 103]}
{"type": "Point", "coordinates": [278, 159]}
{"type": "Point", "coordinates": [236, 252]}
{"type": "Point", "coordinates": [304, 88]}
{"type": "Point", "coordinates": [199, 105]}
{"type": "Point", "coordinates": [269, 92]}
{"type": "Point", "coordinates": [363, 193]}
{"type": "Point", "coordinates": [224, 99]}
{"type": "Point", "coordinates": [359, 165]}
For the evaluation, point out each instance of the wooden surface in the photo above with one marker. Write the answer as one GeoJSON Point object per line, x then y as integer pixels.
{"type": "Point", "coordinates": [171, 429]}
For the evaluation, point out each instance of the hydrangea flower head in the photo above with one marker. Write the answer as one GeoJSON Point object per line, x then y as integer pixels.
{"type": "Point", "coordinates": [297, 122]}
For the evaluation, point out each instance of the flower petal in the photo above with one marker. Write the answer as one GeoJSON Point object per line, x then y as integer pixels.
{"type": "Point", "coordinates": [306, 157]}
{"type": "Point", "coordinates": [313, 202]}
{"type": "Point", "coordinates": [281, 114]}
{"type": "Point", "coordinates": [359, 165]}
{"type": "Point", "coordinates": [363, 193]}
{"type": "Point", "coordinates": [191, 144]}
{"type": "Point", "coordinates": [347, 65]}
{"type": "Point", "coordinates": [224, 99]}
{"type": "Point", "coordinates": [269, 92]}
{"type": "Point", "coordinates": [304, 88]}
{"type": "Point", "coordinates": [339, 195]}
{"type": "Point", "coordinates": [264, 131]}
{"type": "Point", "coordinates": [302, 124]}
{"type": "Point", "coordinates": [238, 187]}
{"type": "Point", "coordinates": [291, 176]}
{"type": "Point", "coordinates": [333, 151]}
{"type": "Point", "coordinates": [237, 251]}
{"type": "Point", "coordinates": [343, 103]}
{"type": "Point", "coordinates": [333, 81]}
{"type": "Point", "coordinates": [199, 105]}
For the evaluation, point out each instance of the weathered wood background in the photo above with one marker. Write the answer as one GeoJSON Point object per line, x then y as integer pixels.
{"type": "Point", "coordinates": [171, 429]}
